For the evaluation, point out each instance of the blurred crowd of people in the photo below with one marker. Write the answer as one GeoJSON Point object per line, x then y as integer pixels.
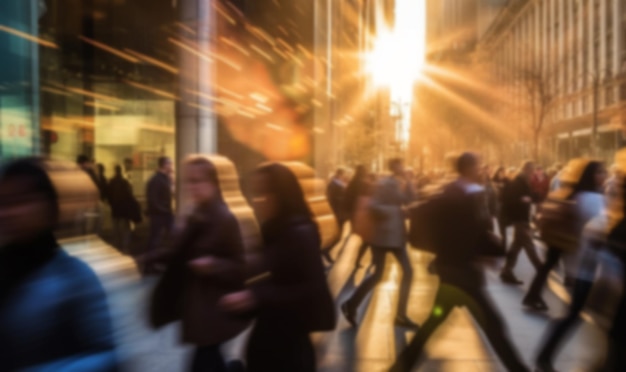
{"type": "Point", "coordinates": [53, 311]}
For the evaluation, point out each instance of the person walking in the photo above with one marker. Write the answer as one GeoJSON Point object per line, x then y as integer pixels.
{"type": "Point", "coordinates": [125, 209]}
{"type": "Point", "coordinates": [517, 206]}
{"type": "Point", "coordinates": [292, 299]}
{"type": "Point", "coordinates": [358, 195]}
{"type": "Point", "coordinates": [459, 224]}
{"type": "Point", "coordinates": [389, 235]}
{"type": "Point", "coordinates": [589, 201]}
{"type": "Point", "coordinates": [206, 264]}
{"type": "Point", "coordinates": [160, 211]}
{"type": "Point", "coordinates": [102, 182]}
{"type": "Point", "coordinates": [500, 183]}
{"type": "Point", "coordinates": [335, 194]}
{"type": "Point", "coordinates": [586, 194]}
{"type": "Point", "coordinates": [53, 310]}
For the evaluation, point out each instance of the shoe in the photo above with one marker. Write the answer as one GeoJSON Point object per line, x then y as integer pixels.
{"type": "Point", "coordinates": [405, 322]}
{"type": "Point", "coordinates": [349, 313]}
{"type": "Point", "coordinates": [536, 304]}
{"type": "Point", "coordinates": [509, 278]}
{"type": "Point", "coordinates": [544, 366]}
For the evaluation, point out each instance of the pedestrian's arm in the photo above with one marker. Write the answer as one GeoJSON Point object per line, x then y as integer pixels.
{"type": "Point", "coordinates": [229, 268]}
{"type": "Point", "coordinates": [378, 205]}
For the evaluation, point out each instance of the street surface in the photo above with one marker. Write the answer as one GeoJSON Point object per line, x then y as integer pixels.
{"type": "Point", "coordinates": [457, 346]}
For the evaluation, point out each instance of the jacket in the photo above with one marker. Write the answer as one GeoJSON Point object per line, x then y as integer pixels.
{"type": "Point", "coordinates": [122, 201]}
{"type": "Point", "coordinates": [181, 294]}
{"type": "Point", "coordinates": [159, 195]}
{"type": "Point", "coordinates": [336, 193]}
{"type": "Point", "coordinates": [514, 208]}
{"type": "Point", "coordinates": [57, 319]}
{"type": "Point", "coordinates": [389, 218]}
{"type": "Point", "coordinates": [462, 221]}
{"type": "Point", "coordinates": [296, 294]}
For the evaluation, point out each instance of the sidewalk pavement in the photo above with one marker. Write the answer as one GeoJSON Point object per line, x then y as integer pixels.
{"type": "Point", "coordinates": [372, 347]}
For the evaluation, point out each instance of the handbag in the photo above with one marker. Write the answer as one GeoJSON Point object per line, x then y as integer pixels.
{"type": "Point", "coordinates": [558, 224]}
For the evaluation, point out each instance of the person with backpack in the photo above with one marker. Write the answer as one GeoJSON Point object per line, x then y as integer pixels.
{"type": "Point", "coordinates": [518, 202]}
{"type": "Point", "coordinates": [581, 191]}
{"type": "Point", "coordinates": [578, 200]}
{"type": "Point", "coordinates": [457, 226]}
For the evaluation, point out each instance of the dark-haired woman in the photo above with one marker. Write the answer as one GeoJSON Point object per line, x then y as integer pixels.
{"type": "Point", "coordinates": [589, 199]}
{"type": "Point", "coordinates": [53, 310]}
{"type": "Point", "coordinates": [293, 299]}
{"type": "Point", "coordinates": [206, 264]}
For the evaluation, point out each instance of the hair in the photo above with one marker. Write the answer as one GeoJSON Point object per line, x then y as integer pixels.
{"type": "Point", "coordinates": [526, 164]}
{"type": "Point", "coordinates": [499, 174]}
{"type": "Point", "coordinates": [587, 181]}
{"type": "Point", "coordinates": [210, 172]}
{"type": "Point", "coordinates": [340, 172]}
{"type": "Point", "coordinates": [82, 159]}
{"type": "Point", "coordinates": [289, 194]}
{"type": "Point", "coordinates": [393, 162]}
{"type": "Point", "coordinates": [118, 170]}
{"type": "Point", "coordinates": [466, 161]}
{"type": "Point", "coordinates": [162, 161]}
{"type": "Point", "coordinates": [355, 187]}
{"type": "Point", "coordinates": [101, 167]}
{"type": "Point", "coordinates": [37, 180]}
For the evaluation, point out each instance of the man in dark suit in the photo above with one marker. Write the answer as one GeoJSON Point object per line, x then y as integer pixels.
{"type": "Point", "coordinates": [160, 210]}
{"type": "Point", "coordinates": [459, 225]}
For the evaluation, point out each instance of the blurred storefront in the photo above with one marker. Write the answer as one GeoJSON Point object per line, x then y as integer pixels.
{"type": "Point", "coordinates": [127, 81]}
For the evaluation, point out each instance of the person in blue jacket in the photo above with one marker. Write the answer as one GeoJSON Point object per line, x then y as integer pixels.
{"type": "Point", "coordinates": [53, 310]}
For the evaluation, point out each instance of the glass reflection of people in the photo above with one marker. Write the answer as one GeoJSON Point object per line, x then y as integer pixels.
{"type": "Point", "coordinates": [206, 264]}
{"type": "Point", "coordinates": [457, 234]}
{"type": "Point", "coordinates": [102, 182]}
{"type": "Point", "coordinates": [294, 299]}
{"type": "Point", "coordinates": [53, 310]}
{"type": "Point", "coordinates": [124, 209]}
{"type": "Point", "coordinates": [86, 165]}
{"type": "Point", "coordinates": [160, 210]}
{"type": "Point", "coordinates": [389, 235]}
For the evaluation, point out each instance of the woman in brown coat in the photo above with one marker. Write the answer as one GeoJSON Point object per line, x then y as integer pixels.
{"type": "Point", "coordinates": [206, 265]}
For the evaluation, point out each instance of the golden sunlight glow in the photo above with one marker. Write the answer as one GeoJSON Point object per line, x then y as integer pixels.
{"type": "Point", "coordinates": [397, 59]}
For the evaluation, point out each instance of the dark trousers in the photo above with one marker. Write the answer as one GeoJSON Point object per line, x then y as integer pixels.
{"type": "Point", "coordinates": [522, 239]}
{"type": "Point", "coordinates": [552, 259]}
{"type": "Point", "coordinates": [379, 255]}
{"type": "Point", "coordinates": [361, 253]}
{"type": "Point", "coordinates": [276, 347]}
{"type": "Point", "coordinates": [208, 359]}
{"type": "Point", "coordinates": [160, 226]}
{"type": "Point", "coordinates": [480, 306]}
{"type": "Point", "coordinates": [616, 358]}
{"type": "Point", "coordinates": [561, 327]}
